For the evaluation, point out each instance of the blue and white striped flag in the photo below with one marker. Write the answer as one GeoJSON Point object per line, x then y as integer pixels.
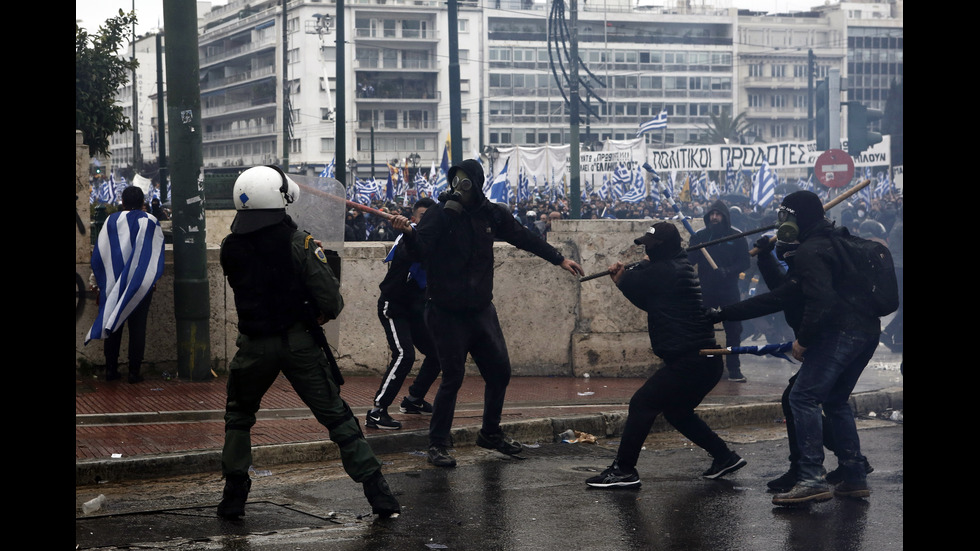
{"type": "Point", "coordinates": [621, 180]}
{"type": "Point", "coordinates": [764, 186]}
{"type": "Point", "coordinates": [127, 262]}
{"type": "Point", "coordinates": [329, 170]}
{"type": "Point", "coordinates": [107, 191]}
{"type": "Point", "coordinates": [660, 121]}
{"type": "Point", "coordinates": [638, 191]}
{"type": "Point", "coordinates": [604, 192]}
{"type": "Point", "coordinates": [523, 186]}
{"type": "Point", "coordinates": [499, 190]}
{"type": "Point", "coordinates": [368, 190]}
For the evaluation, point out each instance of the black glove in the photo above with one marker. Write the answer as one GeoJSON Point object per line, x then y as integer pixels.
{"type": "Point", "coordinates": [765, 244]}
{"type": "Point", "coordinates": [713, 315]}
{"type": "Point", "coordinates": [454, 207]}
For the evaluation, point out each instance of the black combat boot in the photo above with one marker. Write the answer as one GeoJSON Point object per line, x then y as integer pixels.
{"type": "Point", "coordinates": [383, 502]}
{"type": "Point", "coordinates": [232, 506]}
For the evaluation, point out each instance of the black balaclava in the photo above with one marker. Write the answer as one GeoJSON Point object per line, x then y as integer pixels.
{"type": "Point", "coordinates": [804, 209]}
{"type": "Point", "coordinates": [662, 241]}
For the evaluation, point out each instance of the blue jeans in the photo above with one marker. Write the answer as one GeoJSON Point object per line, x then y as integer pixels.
{"type": "Point", "coordinates": [831, 368]}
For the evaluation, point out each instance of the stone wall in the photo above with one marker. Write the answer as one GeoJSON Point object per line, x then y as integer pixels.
{"type": "Point", "coordinates": [553, 324]}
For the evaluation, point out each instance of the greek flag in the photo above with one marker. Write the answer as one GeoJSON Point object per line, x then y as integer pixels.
{"type": "Point", "coordinates": [620, 181]}
{"type": "Point", "coordinates": [731, 179]}
{"type": "Point", "coordinates": [107, 191]}
{"type": "Point", "coordinates": [764, 186]}
{"type": "Point", "coordinates": [638, 191]}
{"type": "Point", "coordinates": [604, 192]}
{"type": "Point", "coordinates": [127, 262]}
{"type": "Point", "coordinates": [368, 191]}
{"type": "Point", "coordinates": [329, 169]}
{"type": "Point", "coordinates": [500, 187]}
{"type": "Point", "coordinates": [660, 121]}
{"type": "Point", "coordinates": [523, 186]}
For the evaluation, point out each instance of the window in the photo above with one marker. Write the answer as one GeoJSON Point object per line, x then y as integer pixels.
{"type": "Point", "coordinates": [755, 70]}
{"type": "Point", "coordinates": [464, 85]}
{"type": "Point", "coordinates": [294, 116]}
{"type": "Point", "coordinates": [464, 25]}
{"type": "Point", "coordinates": [296, 145]}
{"type": "Point", "coordinates": [799, 71]}
{"type": "Point", "coordinates": [777, 131]}
{"type": "Point", "coordinates": [799, 101]}
{"type": "Point", "coordinates": [777, 101]}
{"type": "Point", "coordinates": [755, 100]}
{"type": "Point", "coordinates": [327, 145]}
{"type": "Point", "coordinates": [778, 71]}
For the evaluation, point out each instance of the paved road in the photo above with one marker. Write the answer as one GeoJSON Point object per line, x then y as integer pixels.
{"type": "Point", "coordinates": [540, 502]}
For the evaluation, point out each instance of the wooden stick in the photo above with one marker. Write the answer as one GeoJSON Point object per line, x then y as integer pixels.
{"type": "Point", "coordinates": [363, 208]}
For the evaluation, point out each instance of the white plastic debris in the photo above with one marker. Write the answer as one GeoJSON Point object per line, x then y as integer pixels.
{"type": "Point", "coordinates": [896, 416]}
{"type": "Point", "coordinates": [94, 504]}
{"type": "Point", "coordinates": [586, 393]}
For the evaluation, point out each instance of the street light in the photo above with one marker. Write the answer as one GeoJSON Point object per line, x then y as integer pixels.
{"type": "Point", "coordinates": [351, 171]}
{"type": "Point", "coordinates": [492, 154]}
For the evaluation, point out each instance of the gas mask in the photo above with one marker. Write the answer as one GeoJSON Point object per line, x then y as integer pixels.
{"type": "Point", "coordinates": [463, 187]}
{"type": "Point", "coordinates": [787, 231]}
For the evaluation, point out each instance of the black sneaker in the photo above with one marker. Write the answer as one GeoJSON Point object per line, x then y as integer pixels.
{"type": "Point", "coordinates": [439, 457]}
{"type": "Point", "coordinates": [499, 442]}
{"type": "Point", "coordinates": [735, 376]}
{"type": "Point", "coordinates": [613, 477]}
{"type": "Point", "coordinates": [415, 407]}
{"type": "Point", "coordinates": [784, 483]}
{"type": "Point", "coordinates": [378, 493]}
{"type": "Point", "coordinates": [233, 497]}
{"type": "Point", "coordinates": [721, 467]}
{"type": "Point", "coordinates": [381, 420]}
{"type": "Point", "coordinates": [836, 476]}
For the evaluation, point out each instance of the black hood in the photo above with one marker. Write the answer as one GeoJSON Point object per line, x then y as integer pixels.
{"type": "Point", "coordinates": [726, 217]}
{"type": "Point", "coordinates": [471, 167]}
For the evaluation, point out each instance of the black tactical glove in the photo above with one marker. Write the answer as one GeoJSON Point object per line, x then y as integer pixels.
{"type": "Point", "coordinates": [454, 207]}
{"type": "Point", "coordinates": [765, 244]}
{"type": "Point", "coordinates": [713, 315]}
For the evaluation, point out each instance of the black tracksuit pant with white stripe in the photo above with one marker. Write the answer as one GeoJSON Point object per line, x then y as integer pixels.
{"type": "Point", "coordinates": [405, 333]}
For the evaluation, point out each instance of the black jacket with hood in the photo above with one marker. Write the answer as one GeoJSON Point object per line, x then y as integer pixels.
{"type": "Point", "coordinates": [720, 286]}
{"type": "Point", "coordinates": [667, 289]}
{"type": "Point", "coordinates": [456, 249]}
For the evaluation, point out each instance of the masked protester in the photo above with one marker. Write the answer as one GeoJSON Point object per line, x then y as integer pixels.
{"type": "Point", "coordinates": [835, 339]}
{"type": "Point", "coordinates": [720, 285]}
{"type": "Point", "coordinates": [667, 288]}
{"type": "Point", "coordinates": [785, 295]}
{"type": "Point", "coordinates": [454, 242]}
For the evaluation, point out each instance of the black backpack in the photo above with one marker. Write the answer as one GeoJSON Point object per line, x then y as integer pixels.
{"type": "Point", "coordinates": [869, 273]}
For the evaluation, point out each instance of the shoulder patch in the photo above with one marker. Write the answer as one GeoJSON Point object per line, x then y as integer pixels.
{"type": "Point", "coordinates": [306, 242]}
{"type": "Point", "coordinates": [320, 255]}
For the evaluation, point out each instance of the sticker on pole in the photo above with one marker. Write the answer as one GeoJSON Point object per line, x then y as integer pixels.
{"type": "Point", "coordinates": [834, 168]}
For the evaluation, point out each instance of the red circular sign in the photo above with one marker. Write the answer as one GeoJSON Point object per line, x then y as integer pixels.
{"type": "Point", "coordinates": [834, 168]}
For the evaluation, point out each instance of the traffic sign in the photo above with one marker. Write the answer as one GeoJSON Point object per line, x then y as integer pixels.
{"type": "Point", "coordinates": [834, 168]}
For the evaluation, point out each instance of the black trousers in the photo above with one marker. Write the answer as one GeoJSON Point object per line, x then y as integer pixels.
{"type": "Point", "coordinates": [674, 390]}
{"type": "Point", "coordinates": [405, 333]}
{"type": "Point", "coordinates": [455, 335]}
{"type": "Point", "coordinates": [136, 322]}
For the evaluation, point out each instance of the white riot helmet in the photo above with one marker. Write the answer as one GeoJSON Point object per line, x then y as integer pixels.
{"type": "Point", "coordinates": [261, 194]}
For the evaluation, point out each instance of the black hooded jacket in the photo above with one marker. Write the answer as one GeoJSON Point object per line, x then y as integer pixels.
{"type": "Point", "coordinates": [456, 249]}
{"type": "Point", "coordinates": [818, 267]}
{"type": "Point", "coordinates": [732, 258]}
{"type": "Point", "coordinates": [668, 291]}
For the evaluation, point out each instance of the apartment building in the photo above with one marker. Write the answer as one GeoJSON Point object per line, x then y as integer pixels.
{"type": "Point", "coordinates": [690, 60]}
